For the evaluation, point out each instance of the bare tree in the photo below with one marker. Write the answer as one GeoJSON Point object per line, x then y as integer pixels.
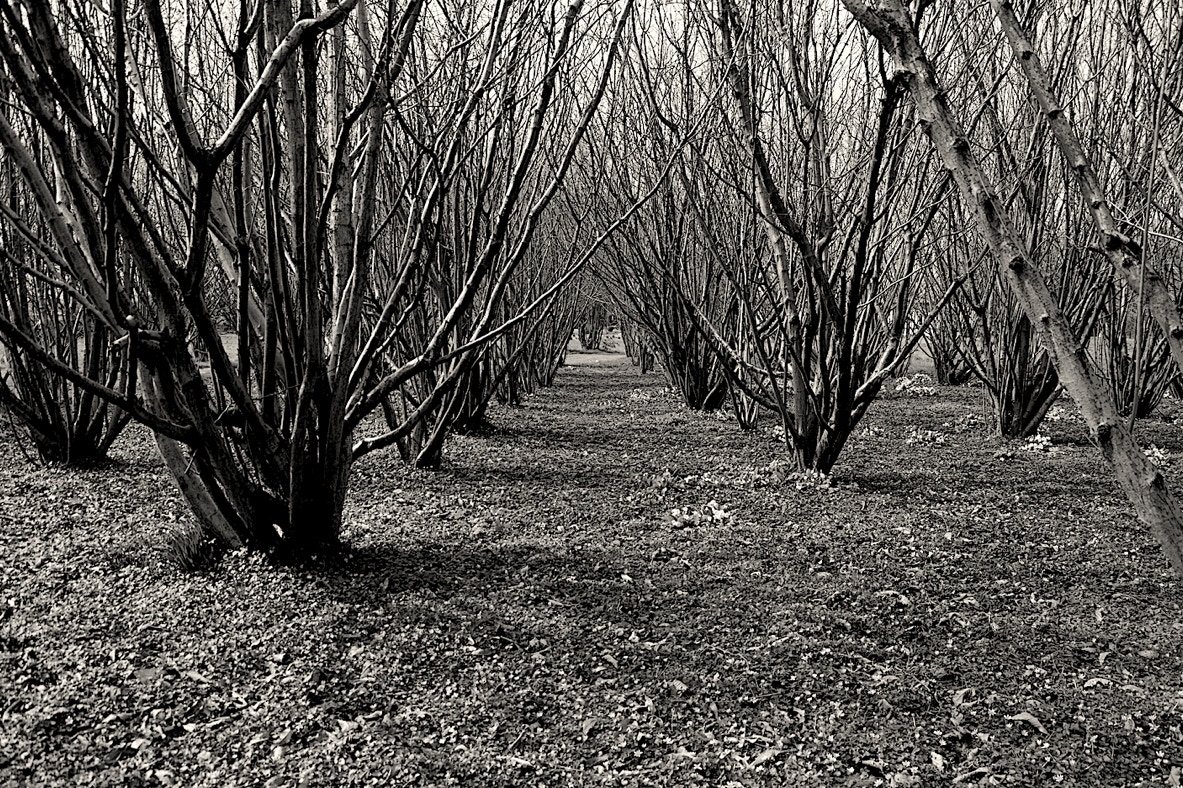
{"type": "Point", "coordinates": [276, 146]}
{"type": "Point", "coordinates": [64, 421]}
{"type": "Point", "coordinates": [893, 25]}
{"type": "Point", "coordinates": [479, 181]}
{"type": "Point", "coordinates": [831, 172]}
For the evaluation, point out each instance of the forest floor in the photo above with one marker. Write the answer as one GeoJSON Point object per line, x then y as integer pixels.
{"type": "Point", "coordinates": [949, 610]}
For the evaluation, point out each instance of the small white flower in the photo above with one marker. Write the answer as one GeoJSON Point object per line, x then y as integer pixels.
{"type": "Point", "coordinates": [917, 435]}
{"type": "Point", "coordinates": [1038, 444]}
{"type": "Point", "coordinates": [1158, 456]}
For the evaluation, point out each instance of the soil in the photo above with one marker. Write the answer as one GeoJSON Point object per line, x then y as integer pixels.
{"type": "Point", "coordinates": [609, 589]}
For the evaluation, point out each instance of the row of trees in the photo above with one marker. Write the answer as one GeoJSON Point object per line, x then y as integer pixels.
{"type": "Point", "coordinates": [1092, 58]}
{"type": "Point", "coordinates": [285, 234]}
{"type": "Point", "coordinates": [808, 238]}
{"type": "Point", "coordinates": [783, 249]}
{"type": "Point", "coordinates": [283, 237]}
{"type": "Point", "coordinates": [688, 263]}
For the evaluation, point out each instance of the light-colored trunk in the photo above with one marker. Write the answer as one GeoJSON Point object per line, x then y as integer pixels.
{"type": "Point", "coordinates": [1124, 253]}
{"type": "Point", "coordinates": [891, 23]}
{"type": "Point", "coordinates": [194, 491]}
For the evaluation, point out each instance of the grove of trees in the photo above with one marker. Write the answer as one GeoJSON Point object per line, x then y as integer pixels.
{"type": "Point", "coordinates": [283, 234]}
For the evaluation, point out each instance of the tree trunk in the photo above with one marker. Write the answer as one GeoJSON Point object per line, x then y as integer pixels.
{"type": "Point", "coordinates": [891, 23]}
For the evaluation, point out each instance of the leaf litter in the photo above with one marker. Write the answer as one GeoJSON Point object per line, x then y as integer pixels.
{"type": "Point", "coordinates": [534, 614]}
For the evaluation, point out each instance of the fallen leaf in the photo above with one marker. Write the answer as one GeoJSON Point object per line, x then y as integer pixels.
{"type": "Point", "coordinates": [976, 774]}
{"type": "Point", "coordinates": [148, 674]}
{"type": "Point", "coordinates": [1029, 718]}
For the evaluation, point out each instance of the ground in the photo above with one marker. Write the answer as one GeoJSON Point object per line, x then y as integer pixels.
{"type": "Point", "coordinates": [610, 590]}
